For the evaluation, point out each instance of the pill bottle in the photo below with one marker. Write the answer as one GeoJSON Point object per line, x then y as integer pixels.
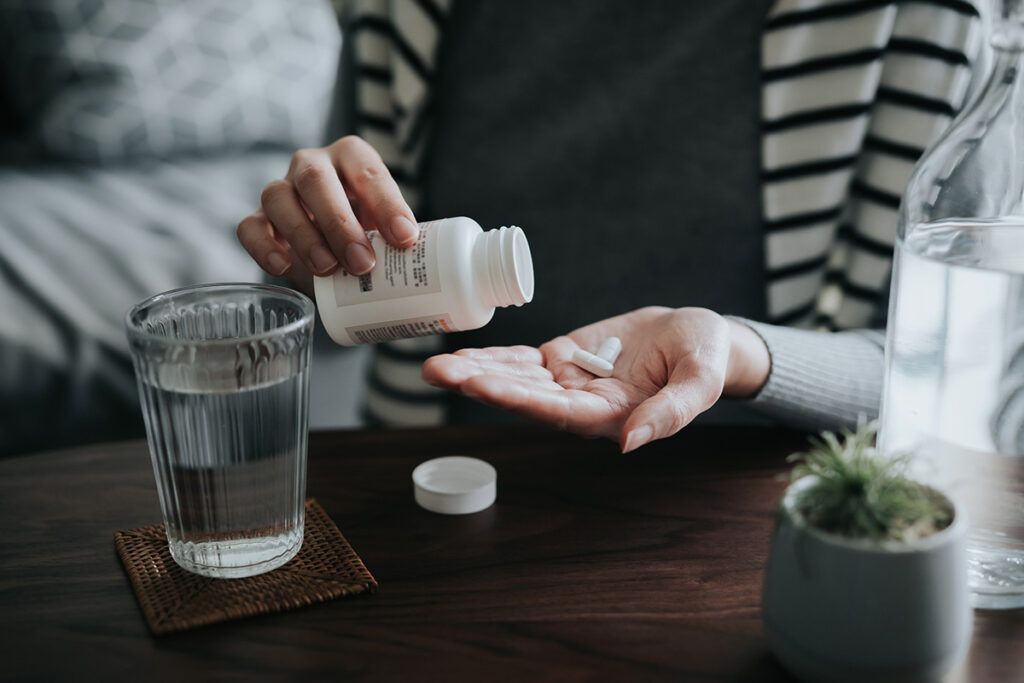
{"type": "Point", "coordinates": [451, 280]}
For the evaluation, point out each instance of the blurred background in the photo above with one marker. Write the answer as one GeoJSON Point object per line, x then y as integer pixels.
{"type": "Point", "coordinates": [134, 135]}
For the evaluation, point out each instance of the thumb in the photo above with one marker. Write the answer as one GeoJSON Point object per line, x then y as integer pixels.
{"type": "Point", "coordinates": [671, 409]}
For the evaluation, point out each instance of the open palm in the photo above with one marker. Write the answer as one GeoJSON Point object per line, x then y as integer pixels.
{"type": "Point", "coordinates": [673, 367]}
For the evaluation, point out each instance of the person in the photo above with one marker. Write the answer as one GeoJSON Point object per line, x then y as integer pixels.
{"type": "Point", "coordinates": [670, 162]}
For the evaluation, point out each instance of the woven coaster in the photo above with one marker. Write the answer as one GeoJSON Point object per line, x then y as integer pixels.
{"type": "Point", "coordinates": [173, 599]}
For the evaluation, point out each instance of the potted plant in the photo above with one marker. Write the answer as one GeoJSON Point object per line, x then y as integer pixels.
{"type": "Point", "coordinates": [867, 577]}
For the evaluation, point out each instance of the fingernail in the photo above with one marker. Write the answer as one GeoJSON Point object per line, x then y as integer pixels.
{"type": "Point", "coordinates": [277, 264]}
{"type": "Point", "coordinates": [323, 260]}
{"type": "Point", "coordinates": [637, 438]}
{"type": "Point", "coordinates": [358, 259]}
{"type": "Point", "coordinates": [404, 231]}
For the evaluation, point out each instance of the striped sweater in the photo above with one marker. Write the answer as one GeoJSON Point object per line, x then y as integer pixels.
{"type": "Point", "coordinates": [853, 91]}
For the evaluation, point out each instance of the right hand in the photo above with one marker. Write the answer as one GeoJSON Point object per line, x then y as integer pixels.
{"type": "Point", "coordinates": [317, 216]}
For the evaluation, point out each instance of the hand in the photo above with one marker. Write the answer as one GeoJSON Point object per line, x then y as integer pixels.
{"type": "Point", "coordinates": [674, 365]}
{"type": "Point", "coordinates": [318, 215]}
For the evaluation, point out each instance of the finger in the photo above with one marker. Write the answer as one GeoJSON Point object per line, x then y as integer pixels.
{"type": "Point", "coordinates": [365, 218]}
{"type": "Point", "coordinates": [449, 371]}
{"type": "Point", "coordinates": [256, 235]}
{"type": "Point", "coordinates": [364, 175]}
{"type": "Point", "coordinates": [282, 208]}
{"type": "Point", "coordinates": [316, 181]}
{"type": "Point", "coordinates": [686, 396]}
{"type": "Point", "coordinates": [558, 358]}
{"type": "Point", "coordinates": [505, 354]}
{"type": "Point", "coordinates": [576, 411]}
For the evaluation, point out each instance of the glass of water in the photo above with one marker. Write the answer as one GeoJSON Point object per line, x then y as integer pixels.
{"type": "Point", "coordinates": [223, 376]}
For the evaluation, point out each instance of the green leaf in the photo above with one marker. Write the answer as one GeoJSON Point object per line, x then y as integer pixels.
{"type": "Point", "coordinates": [860, 494]}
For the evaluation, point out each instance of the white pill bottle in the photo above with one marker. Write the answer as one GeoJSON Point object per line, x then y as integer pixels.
{"type": "Point", "coordinates": [451, 280]}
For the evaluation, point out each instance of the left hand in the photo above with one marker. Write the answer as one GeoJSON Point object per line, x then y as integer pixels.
{"type": "Point", "coordinates": [674, 365]}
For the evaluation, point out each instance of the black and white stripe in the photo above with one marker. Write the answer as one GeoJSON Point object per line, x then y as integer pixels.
{"type": "Point", "coordinates": [853, 91]}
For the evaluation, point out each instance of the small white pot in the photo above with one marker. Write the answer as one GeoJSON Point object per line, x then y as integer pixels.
{"type": "Point", "coordinates": [838, 609]}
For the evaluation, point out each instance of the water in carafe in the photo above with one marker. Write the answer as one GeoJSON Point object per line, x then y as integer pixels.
{"type": "Point", "coordinates": [954, 389]}
{"type": "Point", "coordinates": [955, 385]}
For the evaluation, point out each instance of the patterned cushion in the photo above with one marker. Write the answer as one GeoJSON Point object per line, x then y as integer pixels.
{"type": "Point", "coordinates": [112, 79]}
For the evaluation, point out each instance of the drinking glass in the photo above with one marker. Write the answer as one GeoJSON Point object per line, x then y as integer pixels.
{"type": "Point", "coordinates": [223, 377]}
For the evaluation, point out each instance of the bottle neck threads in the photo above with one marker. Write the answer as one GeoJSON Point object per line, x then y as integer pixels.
{"type": "Point", "coordinates": [503, 267]}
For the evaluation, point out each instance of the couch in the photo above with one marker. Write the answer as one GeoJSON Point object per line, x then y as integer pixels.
{"type": "Point", "coordinates": [135, 135]}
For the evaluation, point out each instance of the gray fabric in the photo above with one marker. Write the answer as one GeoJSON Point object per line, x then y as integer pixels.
{"type": "Point", "coordinates": [1008, 417]}
{"type": "Point", "coordinates": [80, 246]}
{"type": "Point", "coordinates": [337, 383]}
{"type": "Point", "coordinates": [623, 138]}
{"type": "Point", "coordinates": [112, 79]}
{"type": "Point", "coordinates": [821, 380]}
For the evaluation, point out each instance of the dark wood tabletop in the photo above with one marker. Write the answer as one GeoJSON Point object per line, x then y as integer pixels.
{"type": "Point", "coordinates": [590, 566]}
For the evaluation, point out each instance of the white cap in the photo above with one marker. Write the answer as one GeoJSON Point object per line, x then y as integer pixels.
{"type": "Point", "coordinates": [455, 485]}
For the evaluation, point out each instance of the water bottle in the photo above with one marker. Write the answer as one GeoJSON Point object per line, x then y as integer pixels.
{"type": "Point", "coordinates": [954, 386]}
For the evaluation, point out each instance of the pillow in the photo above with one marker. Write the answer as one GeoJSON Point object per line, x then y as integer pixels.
{"type": "Point", "coordinates": [100, 80]}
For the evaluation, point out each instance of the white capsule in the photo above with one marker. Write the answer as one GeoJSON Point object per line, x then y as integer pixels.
{"type": "Point", "coordinates": [591, 363]}
{"type": "Point", "coordinates": [610, 349]}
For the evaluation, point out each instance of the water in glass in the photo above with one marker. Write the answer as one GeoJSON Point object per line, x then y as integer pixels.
{"type": "Point", "coordinates": [223, 379]}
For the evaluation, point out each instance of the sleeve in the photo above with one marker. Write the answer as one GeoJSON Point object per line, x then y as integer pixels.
{"type": "Point", "coordinates": [933, 56]}
{"type": "Point", "coordinates": [823, 380]}
{"type": "Point", "coordinates": [396, 395]}
{"type": "Point", "coordinates": [388, 66]}
{"type": "Point", "coordinates": [820, 380]}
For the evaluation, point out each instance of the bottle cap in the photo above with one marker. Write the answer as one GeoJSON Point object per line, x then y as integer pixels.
{"type": "Point", "coordinates": [455, 485]}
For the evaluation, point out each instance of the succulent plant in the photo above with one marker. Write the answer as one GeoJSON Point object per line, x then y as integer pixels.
{"type": "Point", "coordinates": [862, 494]}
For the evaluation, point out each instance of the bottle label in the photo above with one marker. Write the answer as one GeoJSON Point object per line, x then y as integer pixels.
{"type": "Point", "coordinates": [401, 329]}
{"type": "Point", "coordinates": [398, 273]}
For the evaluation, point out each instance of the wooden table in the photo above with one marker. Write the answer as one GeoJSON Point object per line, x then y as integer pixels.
{"type": "Point", "coordinates": [591, 566]}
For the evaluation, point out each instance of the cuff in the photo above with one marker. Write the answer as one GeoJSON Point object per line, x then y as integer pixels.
{"type": "Point", "coordinates": [820, 380]}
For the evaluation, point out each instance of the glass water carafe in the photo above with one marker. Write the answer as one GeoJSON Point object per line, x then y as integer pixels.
{"type": "Point", "coordinates": [954, 389]}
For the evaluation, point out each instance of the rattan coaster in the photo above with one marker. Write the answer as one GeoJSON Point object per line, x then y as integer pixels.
{"type": "Point", "coordinates": [173, 599]}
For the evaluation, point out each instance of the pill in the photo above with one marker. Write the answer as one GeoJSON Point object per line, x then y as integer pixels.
{"type": "Point", "coordinates": [591, 363]}
{"type": "Point", "coordinates": [610, 349]}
